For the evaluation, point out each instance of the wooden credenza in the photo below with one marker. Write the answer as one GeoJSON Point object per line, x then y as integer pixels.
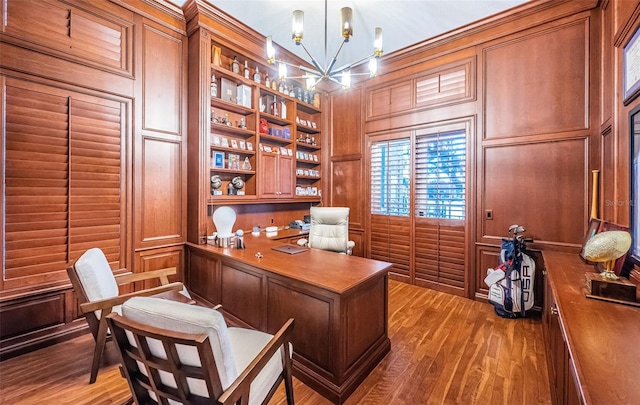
{"type": "Point", "coordinates": [592, 350]}
{"type": "Point", "coordinates": [339, 303]}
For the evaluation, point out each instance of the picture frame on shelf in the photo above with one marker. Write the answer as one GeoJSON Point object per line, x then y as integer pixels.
{"type": "Point", "coordinates": [249, 146]}
{"type": "Point", "coordinates": [592, 230]}
{"type": "Point", "coordinates": [224, 142]}
{"type": "Point", "coordinates": [234, 161]}
{"type": "Point", "coordinates": [234, 144]}
{"type": "Point", "coordinates": [631, 67]}
{"type": "Point", "coordinates": [289, 152]}
{"type": "Point", "coordinates": [315, 158]}
{"type": "Point", "coordinates": [243, 145]}
{"type": "Point", "coordinates": [218, 160]}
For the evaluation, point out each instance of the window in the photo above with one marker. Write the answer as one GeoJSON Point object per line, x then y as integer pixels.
{"type": "Point", "coordinates": [390, 177]}
{"type": "Point", "coordinates": [440, 175]}
{"type": "Point", "coordinates": [634, 127]}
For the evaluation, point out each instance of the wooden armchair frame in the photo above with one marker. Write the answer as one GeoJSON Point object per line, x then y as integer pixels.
{"type": "Point", "coordinates": [98, 326]}
{"type": "Point", "coordinates": [237, 393]}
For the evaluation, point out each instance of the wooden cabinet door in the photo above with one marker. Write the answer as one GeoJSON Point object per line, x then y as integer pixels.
{"type": "Point", "coordinates": [276, 176]}
{"type": "Point", "coordinates": [268, 175]}
{"type": "Point", "coordinates": [286, 167]}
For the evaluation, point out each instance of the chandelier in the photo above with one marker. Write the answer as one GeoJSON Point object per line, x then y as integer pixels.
{"type": "Point", "coordinates": [341, 75]}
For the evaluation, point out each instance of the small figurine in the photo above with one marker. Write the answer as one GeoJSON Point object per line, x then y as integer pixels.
{"type": "Point", "coordinates": [246, 165]}
{"type": "Point", "coordinates": [264, 127]}
{"type": "Point", "coordinates": [242, 123]}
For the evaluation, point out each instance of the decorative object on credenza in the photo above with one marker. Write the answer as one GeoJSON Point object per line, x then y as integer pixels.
{"type": "Point", "coordinates": [610, 290]}
{"type": "Point", "coordinates": [223, 219]}
{"type": "Point", "coordinates": [606, 247]}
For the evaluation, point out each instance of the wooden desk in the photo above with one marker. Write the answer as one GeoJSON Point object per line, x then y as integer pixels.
{"type": "Point", "coordinates": [601, 354]}
{"type": "Point", "coordinates": [339, 304]}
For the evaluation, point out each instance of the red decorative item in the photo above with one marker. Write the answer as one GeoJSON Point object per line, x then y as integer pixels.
{"type": "Point", "coordinates": [264, 128]}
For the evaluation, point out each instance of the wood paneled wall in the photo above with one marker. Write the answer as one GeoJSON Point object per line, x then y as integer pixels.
{"type": "Point", "coordinates": [534, 96]}
{"type": "Point", "coordinates": [105, 126]}
{"type": "Point", "coordinates": [346, 156]}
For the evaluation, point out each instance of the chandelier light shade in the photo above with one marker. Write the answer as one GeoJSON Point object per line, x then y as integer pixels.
{"type": "Point", "coordinates": [297, 26]}
{"type": "Point", "coordinates": [377, 44]}
{"type": "Point", "coordinates": [346, 22]}
{"type": "Point", "coordinates": [313, 76]}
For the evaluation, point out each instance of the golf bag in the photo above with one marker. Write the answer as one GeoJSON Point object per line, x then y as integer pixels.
{"type": "Point", "coordinates": [511, 282]}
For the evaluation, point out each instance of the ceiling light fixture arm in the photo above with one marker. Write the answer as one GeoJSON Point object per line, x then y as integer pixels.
{"type": "Point", "coordinates": [313, 60]}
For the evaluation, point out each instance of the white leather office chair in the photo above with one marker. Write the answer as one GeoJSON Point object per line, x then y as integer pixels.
{"type": "Point", "coordinates": [329, 230]}
{"type": "Point", "coordinates": [176, 353]}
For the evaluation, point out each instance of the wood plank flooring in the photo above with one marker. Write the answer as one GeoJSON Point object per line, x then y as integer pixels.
{"type": "Point", "coordinates": [444, 350]}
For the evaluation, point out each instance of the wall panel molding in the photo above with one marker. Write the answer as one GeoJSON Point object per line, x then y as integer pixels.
{"type": "Point", "coordinates": [538, 82]}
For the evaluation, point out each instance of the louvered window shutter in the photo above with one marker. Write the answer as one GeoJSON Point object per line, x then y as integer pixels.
{"type": "Point", "coordinates": [95, 199]}
{"type": "Point", "coordinates": [37, 177]}
{"type": "Point", "coordinates": [442, 87]}
{"type": "Point", "coordinates": [64, 183]}
{"type": "Point", "coordinates": [440, 175]}
{"type": "Point", "coordinates": [390, 177]}
{"type": "Point", "coordinates": [390, 204]}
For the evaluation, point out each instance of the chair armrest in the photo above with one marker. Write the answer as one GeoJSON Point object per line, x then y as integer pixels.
{"type": "Point", "coordinates": [350, 245]}
{"type": "Point", "coordinates": [108, 303]}
{"type": "Point", "coordinates": [162, 274]}
{"type": "Point", "coordinates": [241, 385]}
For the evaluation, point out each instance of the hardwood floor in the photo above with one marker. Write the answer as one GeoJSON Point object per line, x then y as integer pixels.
{"type": "Point", "coordinates": [444, 350]}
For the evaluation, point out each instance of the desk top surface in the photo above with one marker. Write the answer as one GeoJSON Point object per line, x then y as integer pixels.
{"type": "Point", "coordinates": [603, 337]}
{"type": "Point", "coordinates": [329, 270]}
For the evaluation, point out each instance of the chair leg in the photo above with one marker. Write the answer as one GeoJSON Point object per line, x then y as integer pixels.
{"type": "Point", "coordinates": [288, 383]}
{"type": "Point", "coordinates": [97, 352]}
{"type": "Point", "coordinates": [129, 401]}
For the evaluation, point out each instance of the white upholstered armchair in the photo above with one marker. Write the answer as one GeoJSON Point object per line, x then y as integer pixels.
{"type": "Point", "coordinates": [98, 293]}
{"type": "Point", "coordinates": [329, 230]}
{"type": "Point", "coordinates": [185, 354]}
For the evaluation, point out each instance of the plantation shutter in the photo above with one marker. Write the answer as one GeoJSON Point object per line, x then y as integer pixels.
{"type": "Point", "coordinates": [36, 189]}
{"type": "Point", "coordinates": [440, 204]}
{"type": "Point", "coordinates": [390, 174]}
{"type": "Point", "coordinates": [95, 195]}
{"type": "Point", "coordinates": [442, 87]}
{"type": "Point", "coordinates": [440, 175]}
{"type": "Point", "coordinates": [63, 182]}
{"type": "Point", "coordinates": [390, 204]}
